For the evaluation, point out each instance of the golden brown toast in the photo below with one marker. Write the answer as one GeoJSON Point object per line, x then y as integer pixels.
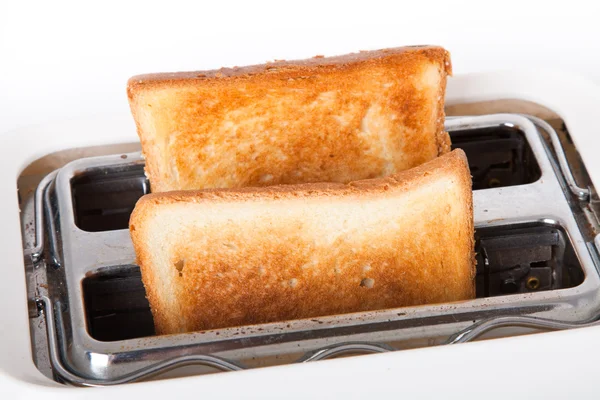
{"type": "Point", "coordinates": [231, 257]}
{"type": "Point", "coordinates": [336, 119]}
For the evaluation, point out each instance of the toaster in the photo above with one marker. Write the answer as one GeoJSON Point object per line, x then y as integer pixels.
{"type": "Point", "coordinates": [536, 214]}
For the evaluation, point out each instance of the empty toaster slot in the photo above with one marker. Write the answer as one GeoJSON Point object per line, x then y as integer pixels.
{"type": "Point", "coordinates": [103, 198]}
{"type": "Point", "coordinates": [524, 260]}
{"type": "Point", "coordinates": [116, 305]}
{"type": "Point", "coordinates": [511, 260]}
{"type": "Point", "coordinates": [498, 156]}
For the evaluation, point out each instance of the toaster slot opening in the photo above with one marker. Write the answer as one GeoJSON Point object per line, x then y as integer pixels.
{"type": "Point", "coordinates": [103, 198]}
{"type": "Point", "coordinates": [510, 260]}
{"type": "Point", "coordinates": [529, 259]}
{"type": "Point", "coordinates": [498, 156]}
{"type": "Point", "coordinates": [116, 305]}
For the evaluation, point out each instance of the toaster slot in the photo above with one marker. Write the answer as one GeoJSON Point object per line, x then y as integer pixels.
{"type": "Point", "coordinates": [498, 156]}
{"type": "Point", "coordinates": [510, 260]}
{"type": "Point", "coordinates": [524, 260]}
{"type": "Point", "coordinates": [103, 198]}
{"type": "Point", "coordinates": [116, 305]}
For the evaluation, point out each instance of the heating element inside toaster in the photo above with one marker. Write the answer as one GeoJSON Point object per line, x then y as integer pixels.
{"type": "Point", "coordinates": [91, 323]}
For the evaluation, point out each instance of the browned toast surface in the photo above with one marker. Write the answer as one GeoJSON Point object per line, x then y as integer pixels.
{"type": "Point", "coordinates": [335, 119]}
{"type": "Point", "coordinates": [222, 258]}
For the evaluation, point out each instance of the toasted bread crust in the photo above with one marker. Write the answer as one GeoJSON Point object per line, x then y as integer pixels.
{"type": "Point", "coordinates": [434, 53]}
{"type": "Point", "coordinates": [263, 265]}
{"type": "Point", "coordinates": [335, 119]}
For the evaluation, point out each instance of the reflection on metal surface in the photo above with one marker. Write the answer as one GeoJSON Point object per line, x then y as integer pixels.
{"type": "Point", "coordinates": [35, 252]}
{"type": "Point", "coordinates": [581, 193]}
{"type": "Point", "coordinates": [478, 329]}
{"type": "Point", "coordinates": [344, 349]}
{"type": "Point", "coordinates": [53, 318]}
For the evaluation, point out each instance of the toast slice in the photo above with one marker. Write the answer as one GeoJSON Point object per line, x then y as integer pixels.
{"type": "Point", "coordinates": [337, 119]}
{"type": "Point", "coordinates": [232, 257]}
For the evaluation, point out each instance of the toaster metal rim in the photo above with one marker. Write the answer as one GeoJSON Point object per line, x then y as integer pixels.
{"type": "Point", "coordinates": [558, 216]}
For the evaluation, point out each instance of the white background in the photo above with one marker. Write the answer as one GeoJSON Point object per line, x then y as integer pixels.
{"type": "Point", "coordinates": [70, 60]}
{"type": "Point", "coordinates": [62, 59]}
